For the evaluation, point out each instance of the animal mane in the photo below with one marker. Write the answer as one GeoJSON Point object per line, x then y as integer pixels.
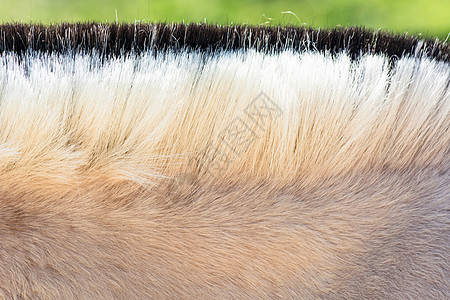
{"type": "Point", "coordinates": [165, 128]}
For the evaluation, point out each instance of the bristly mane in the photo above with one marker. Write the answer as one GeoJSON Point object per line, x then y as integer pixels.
{"type": "Point", "coordinates": [154, 161]}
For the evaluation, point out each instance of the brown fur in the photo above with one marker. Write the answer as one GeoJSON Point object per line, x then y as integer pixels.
{"type": "Point", "coordinates": [375, 234]}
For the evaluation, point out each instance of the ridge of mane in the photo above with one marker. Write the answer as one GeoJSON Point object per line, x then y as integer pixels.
{"type": "Point", "coordinates": [198, 161]}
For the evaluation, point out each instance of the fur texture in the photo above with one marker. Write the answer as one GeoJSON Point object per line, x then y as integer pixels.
{"type": "Point", "coordinates": [294, 174]}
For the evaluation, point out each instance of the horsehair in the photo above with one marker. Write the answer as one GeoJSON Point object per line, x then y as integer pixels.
{"type": "Point", "coordinates": [123, 174]}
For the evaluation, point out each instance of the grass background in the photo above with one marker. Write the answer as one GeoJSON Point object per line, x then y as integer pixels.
{"type": "Point", "coordinates": [428, 17]}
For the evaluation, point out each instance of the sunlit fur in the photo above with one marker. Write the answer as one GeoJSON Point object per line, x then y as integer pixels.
{"type": "Point", "coordinates": [116, 180]}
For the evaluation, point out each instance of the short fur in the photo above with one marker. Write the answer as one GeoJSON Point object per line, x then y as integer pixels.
{"type": "Point", "coordinates": [229, 174]}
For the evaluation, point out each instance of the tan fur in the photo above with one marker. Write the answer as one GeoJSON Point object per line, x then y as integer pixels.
{"type": "Point", "coordinates": [117, 182]}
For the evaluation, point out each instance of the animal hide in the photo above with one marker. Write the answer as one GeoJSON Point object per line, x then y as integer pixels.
{"type": "Point", "coordinates": [155, 161]}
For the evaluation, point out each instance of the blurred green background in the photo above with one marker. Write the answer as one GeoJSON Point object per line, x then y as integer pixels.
{"type": "Point", "coordinates": [428, 17]}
